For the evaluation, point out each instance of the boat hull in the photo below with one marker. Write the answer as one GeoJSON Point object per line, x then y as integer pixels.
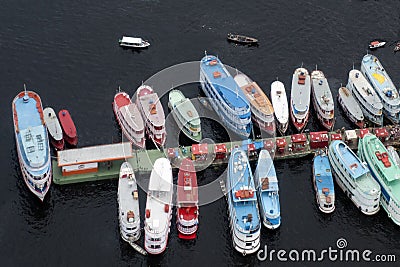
{"type": "Point", "coordinates": [68, 127]}
{"type": "Point", "coordinates": [359, 124]}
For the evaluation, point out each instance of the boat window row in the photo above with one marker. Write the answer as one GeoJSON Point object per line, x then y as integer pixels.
{"type": "Point", "coordinates": [227, 110]}
{"type": "Point", "coordinates": [262, 115]}
{"type": "Point", "coordinates": [342, 174]}
{"type": "Point", "coordinates": [367, 105]}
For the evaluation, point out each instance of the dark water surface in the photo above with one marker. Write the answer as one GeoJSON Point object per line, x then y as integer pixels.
{"type": "Point", "coordinates": [68, 52]}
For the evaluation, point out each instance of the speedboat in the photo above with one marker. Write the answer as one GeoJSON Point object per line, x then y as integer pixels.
{"type": "Point", "coordinates": [366, 97]}
{"type": "Point", "coordinates": [354, 178]}
{"type": "Point", "coordinates": [225, 96]}
{"type": "Point", "coordinates": [376, 44]}
{"type": "Point", "coordinates": [185, 115]}
{"type": "Point", "coordinates": [242, 204]}
{"type": "Point", "coordinates": [68, 127]}
{"type": "Point", "coordinates": [350, 107]}
{"type": "Point", "coordinates": [54, 128]}
{"type": "Point", "coordinates": [387, 92]}
{"type": "Point", "coordinates": [152, 113]}
{"type": "Point", "coordinates": [322, 99]}
{"type": "Point", "coordinates": [187, 213]}
{"type": "Point", "coordinates": [323, 183]}
{"type": "Point", "coordinates": [261, 108]}
{"type": "Point", "coordinates": [268, 190]}
{"type": "Point", "coordinates": [158, 207]}
{"type": "Point", "coordinates": [129, 119]}
{"type": "Point", "coordinates": [128, 204]}
{"type": "Point", "coordinates": [280, 105]}
{"type": "Point", "coordinates": [386, 172]}
{"type": "Point", "coordinates": [133, 42]}
{"type": "Point", "coordinates": [32, 142]}
{"type": "Point", "coordinates": [300, 98]}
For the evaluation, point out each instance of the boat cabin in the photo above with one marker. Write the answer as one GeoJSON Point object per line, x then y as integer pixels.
{"type": "Point", "coordinates": [319, 139]}
{"type": "Point", "coordinates": [350, 137]}
{"type": "Point", "coordinates": [199, 151]}
{"type": "Point", "coordinates": [172, 153]}
{"type": "Point", "coordinates": [87, 159]}
{"type": "Point", "coordinates": [382, 134]}
{"type": "Point", "coordinates": [336, 136]}
{"type": "Point", "coordinates": [362, 132]}
{"type": "Point", "coordinates": [251, 150]}
{"type": "Point", "coordinates": [281, 145]}
{"type": "Point", "coordinates": [299, 141]}
{"type": "Point", "coordinates": [269, 145]}
{"type": "Point", "coordinates": [220, 151]}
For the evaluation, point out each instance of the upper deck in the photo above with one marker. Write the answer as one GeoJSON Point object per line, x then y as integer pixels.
{"type": "Point", "coordinates": [321, 90]}
{"type": "Point", "coordinates": [187, 184]}
{"type": "Point", "coordinates": [365, 89]}
{"type": "Point", "coordinates": [254, 94]}
{"type": "Point", "coordinates": [30, 129]}
{"type": "Point", "coordinates": [323, 174]}
{"type": "Point", "coordinates": [241, 183]}
{"type": "Point", "coordinates": [301, 90]}
{"type": "Point", "coordinates": [159, 196]}
{"type": "Point", "coordinates": [350, 103]}
{"type": "Point", "coordinates": [151, 106]}
{"type": "Point", "coordinates": [184, 106]}
{"type": "Point", "coordinates": [380, 80]}
{"type": "Point", "coordinates": [223, 83]}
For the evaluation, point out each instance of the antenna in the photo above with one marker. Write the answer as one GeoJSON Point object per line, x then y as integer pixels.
{"type": "Point", "coordinates": [277, 78]}
{"type": "Point", "coordinates": [353, 65]}
{"type": "Point", "coordinates": [25, 88]}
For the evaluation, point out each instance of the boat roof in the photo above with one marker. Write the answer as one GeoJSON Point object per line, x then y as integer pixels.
{"type": "Point", "coordinates": [321, 90]}
{"type": "Point", "coordinates": [279, 101]}
{"type": "Point", "coordinates": [161, 176]}
{"type": "Point", "coordinates": [223, 82]}
{"type": "Point", "coordinates": [67, 123]}
{"type": "Point", "coordinates": [365, 89]}
{"type": "Point", "coordinates": [241, 180]}
{"type": "Point", "coordinates": [152, 108]}
{"type": "Point", "coordinates": [254, 94]}
{"type": "Point", "coordinates": [373, 145]}
{"type": "Point", "coordinates": [300, 93]}
{"type": "Point", "coordinates": [266, 169]}
{"type": "Point", "coordinates": [159, 195]}
{"type": "Point", "coordinates": [380, 79]}
{"type": "Point", "coordinates": [187, 183]}
{"type": "Point", "coordinates": [350, 160]}
{"type": "Point", "coordinates": [52, 123]}
{"type": "Point", "coordinates": [132, 116]}
{"type": "Point", "coordinates": [131, 40]}
{"type": "Point", "coordinates": [184, 106]}
{"type": "Point", "coordinates": [322, 173]}
{"type": "Point", "coordinates": [30, 128]}
{"type": "Point", "coordinates": [91, 154]}
{"type": "Point", "coordinates": [127, 188]}
{"type": "Point", "coordinates": [350, 102]}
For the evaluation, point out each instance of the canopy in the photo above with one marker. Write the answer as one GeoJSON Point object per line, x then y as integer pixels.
{"type": "Point", "coordinates": [220, 148]}
{"type": "Point", "coordinates": [131, 40]}
{"type": "Point", "coordinates": [363, 132]}
{"type": "Point", "coordinates": [199, 149]}
{"type": "Point", "coordinates": [381, 132]}
{"type": "Point", "coordinates": [299, 138]}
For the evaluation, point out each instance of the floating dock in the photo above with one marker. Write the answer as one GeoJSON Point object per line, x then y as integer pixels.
{"type": "Point", "coordinates": [103, 162]}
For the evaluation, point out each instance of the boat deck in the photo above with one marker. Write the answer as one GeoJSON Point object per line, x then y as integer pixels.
{"type": "Point", "coordinates": [222, 81]}
{"type": "Point", "coordinates": [350, 103]}
{"type": "Point", "coordinates": [128, 198]}
{"type": "Point", "coordinates": [323, 174]}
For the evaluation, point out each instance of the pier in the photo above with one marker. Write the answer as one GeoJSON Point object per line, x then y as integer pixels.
{"type": "Point", "coordinates": [103, 162]}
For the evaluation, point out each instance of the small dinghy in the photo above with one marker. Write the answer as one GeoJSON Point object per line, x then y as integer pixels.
{"type": "Point", "coordinates": [54, 128]}
{"type": "Point", "coordinates": [68, 127]}
{"type": "Point", "coordinates": [376, 44]}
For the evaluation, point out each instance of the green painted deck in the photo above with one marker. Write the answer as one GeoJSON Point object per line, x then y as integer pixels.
{"type": "Point", "coordinates": [143, 160]}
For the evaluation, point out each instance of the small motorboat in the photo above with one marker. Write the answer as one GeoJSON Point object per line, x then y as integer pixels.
{"type": "Point", "coordinates": [68, 127]}
{"type": "Point", "coordinates": [396, 47]}
{"type": "Point", "coordinates": [376, 44]}
{"type": "Point", "coordinates": [133, 42]}
{"type": "Point", "coordinates": [54, 128]}
{"type": "Point", "coordinates": [241, 39]}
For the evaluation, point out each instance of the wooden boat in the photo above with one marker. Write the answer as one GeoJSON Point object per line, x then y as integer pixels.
{"type": "Point", "coordinates": [68, 127]}
{"type": "Point", "coordinates": [241, 39]}
{"type": "Point", "coordinates": [54, 128]}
